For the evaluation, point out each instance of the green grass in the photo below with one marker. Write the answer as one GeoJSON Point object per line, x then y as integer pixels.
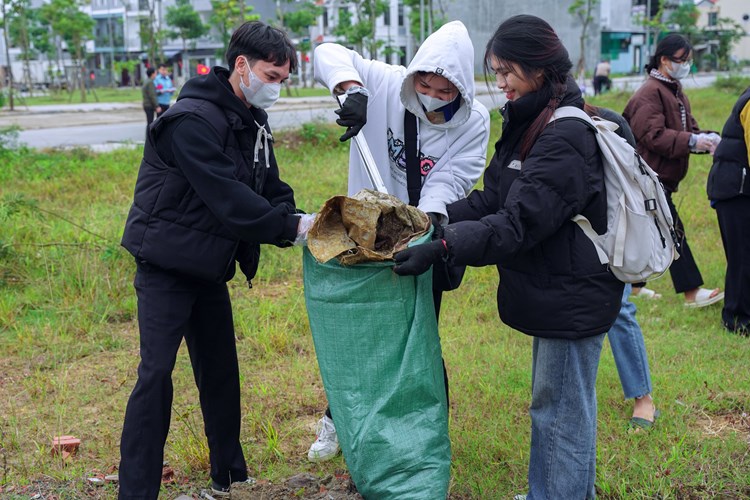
{"type": "Point", "coordinates": [69, 346]}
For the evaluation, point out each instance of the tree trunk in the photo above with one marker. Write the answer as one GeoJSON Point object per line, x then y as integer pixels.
{"type": "Point", "coordinates": [26, 53]}
{"type": "Point", "coordinates": [7, 55]}
{"type": "Point", "coordinates": [79, 58]}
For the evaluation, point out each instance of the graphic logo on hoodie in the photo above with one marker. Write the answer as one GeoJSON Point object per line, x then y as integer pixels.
{"type": "Point", "coordinates": [397, 153]}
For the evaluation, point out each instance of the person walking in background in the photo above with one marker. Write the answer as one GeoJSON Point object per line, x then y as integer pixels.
{"type": "Point", "coordinates": [164, 89]}
{"type": "Point", "coordinates": [601, 76]}
{"type": "Point", "coordinates": [666, 133]}
{"type": "Point", "coordinates": [552, 284]}
{"type": "Point", "coordinates": [729, 191]}
{"type": "Point", "coordinates": [625, 336]}
{"type": "Point", "coordinates": [435, 96]}
{"type": "Point", "coordinates": [150, 104]}
{"type": "Point", "coordinates": [208, 194]}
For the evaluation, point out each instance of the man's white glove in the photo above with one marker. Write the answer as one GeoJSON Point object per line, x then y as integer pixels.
{"type": "Point", "coordinates": [306, 221]}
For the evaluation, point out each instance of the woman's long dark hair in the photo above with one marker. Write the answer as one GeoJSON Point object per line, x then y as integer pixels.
{"type": "Point", "coordinates": [532, 44]}
{"type": "Point", "coordinates": [668, 47]}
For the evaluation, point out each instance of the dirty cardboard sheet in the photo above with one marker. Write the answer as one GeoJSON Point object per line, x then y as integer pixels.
{"type": "Point", "coordinates": [367, 227]}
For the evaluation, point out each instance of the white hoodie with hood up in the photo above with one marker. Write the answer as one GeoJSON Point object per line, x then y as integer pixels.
{"type": "Point", "coordinates": [452, 154]}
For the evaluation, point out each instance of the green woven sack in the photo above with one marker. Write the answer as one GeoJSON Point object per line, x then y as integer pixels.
{"type": "Point", "coordinates": [378, 349]}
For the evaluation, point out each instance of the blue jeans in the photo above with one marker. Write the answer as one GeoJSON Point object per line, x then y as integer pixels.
{"type": "Point", "coordinates": [563, 418]}
{"type": "Point", "coordinates": [626, 339]}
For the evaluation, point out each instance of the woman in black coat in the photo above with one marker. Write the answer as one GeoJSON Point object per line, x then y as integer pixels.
{"type": "Point", "coordinates": [552, 284]}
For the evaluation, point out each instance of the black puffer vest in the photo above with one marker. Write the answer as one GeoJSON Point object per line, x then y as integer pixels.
{"type": "Point", "coordinates": [730, 174]}
{"type": "Point", "coordinates": [169, 226]}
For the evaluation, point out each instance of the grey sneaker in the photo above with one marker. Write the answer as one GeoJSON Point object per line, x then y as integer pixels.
{"type": "Point", "coordinates": [326, 445]}
{"type": "Point", "coordinates": [224, 491]}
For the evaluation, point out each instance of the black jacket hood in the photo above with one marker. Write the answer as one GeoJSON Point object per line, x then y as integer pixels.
{"type": "Point", "coordinates": [205, 87]}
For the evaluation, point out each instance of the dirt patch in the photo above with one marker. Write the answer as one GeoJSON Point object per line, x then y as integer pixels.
{"type": "Point", "coordinates": [338, 486]}
{"type": "Point", "coordinates": [720, 425]}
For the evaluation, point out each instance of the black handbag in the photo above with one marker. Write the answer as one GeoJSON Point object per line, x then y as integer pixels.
{"type": "Point", "coordinates": [445, 276]}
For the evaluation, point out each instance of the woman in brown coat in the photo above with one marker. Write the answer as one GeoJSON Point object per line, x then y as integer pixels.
{"type": "Point", "coordinates": [666, 133]}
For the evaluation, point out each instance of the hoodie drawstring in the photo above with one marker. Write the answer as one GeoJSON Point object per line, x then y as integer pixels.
{"type": "Point", "coordinates": [261, 142]}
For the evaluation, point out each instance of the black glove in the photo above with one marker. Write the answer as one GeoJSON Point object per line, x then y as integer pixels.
{"type": "Point", "coordinates": [352, 114]}
{"type": "Point", "coordinates": [437, 229]}
{"type": "Point", "coordinates": [418, 259]}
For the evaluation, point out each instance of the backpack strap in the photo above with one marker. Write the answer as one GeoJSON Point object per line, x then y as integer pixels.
{"type": "Point", "coordinates": [413, 174]}
{"type": "Point", "coordinates": [572, 112]}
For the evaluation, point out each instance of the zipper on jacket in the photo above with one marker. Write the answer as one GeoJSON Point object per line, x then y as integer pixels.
{"type": "Point", "coordinates": [742, 183]}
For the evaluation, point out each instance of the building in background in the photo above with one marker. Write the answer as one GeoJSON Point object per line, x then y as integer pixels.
{"type": "Point", "coordinates": [735, 10]}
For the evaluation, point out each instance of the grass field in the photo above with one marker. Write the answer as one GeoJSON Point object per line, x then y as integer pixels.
{"type": "Point", "coordinates": [69, 347]}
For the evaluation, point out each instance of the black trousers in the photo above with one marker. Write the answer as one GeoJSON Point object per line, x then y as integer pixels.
{"type": "Point", "coordinates": [684, 271]}
{"type": "Point", "coordinates": [170, 308]}
{"type": "Point", "coordinates": [601, 83]}
{"type": "Point", "coordinates": [734, 224]}
{"type": "Point", "coordinates": [149, 118]}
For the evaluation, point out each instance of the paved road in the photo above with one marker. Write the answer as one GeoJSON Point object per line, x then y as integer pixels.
{"type": "Point", "coordinates": [104, 126]}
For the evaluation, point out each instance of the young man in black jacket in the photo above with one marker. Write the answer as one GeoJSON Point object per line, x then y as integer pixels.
{"type": "Point", "coordinates": [208, 194]}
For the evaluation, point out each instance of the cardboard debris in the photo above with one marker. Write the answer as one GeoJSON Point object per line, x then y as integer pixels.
{"type": "Point", "coordinates": [369, 226]}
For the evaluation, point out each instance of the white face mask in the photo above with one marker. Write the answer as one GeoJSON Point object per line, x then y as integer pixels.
{"type": "Point", "coordinates": [678, 71]}
{"type": "Point", "coordinates": [431, 103]}
{"type": "Point", "coordinates": [259, 93]}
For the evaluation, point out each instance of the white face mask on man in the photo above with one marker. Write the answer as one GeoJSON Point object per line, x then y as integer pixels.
{"type": "Point", "coordinates": [257, 92]}
{"type": "Point", "coordinates": [678, 71]}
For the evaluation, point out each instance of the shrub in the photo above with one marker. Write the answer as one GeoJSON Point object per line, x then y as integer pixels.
{"type": "Point", "coordinates": [733, 84]}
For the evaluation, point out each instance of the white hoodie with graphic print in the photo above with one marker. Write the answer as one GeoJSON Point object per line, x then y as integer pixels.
{"type": "Point", "coordinates": [452, 154]}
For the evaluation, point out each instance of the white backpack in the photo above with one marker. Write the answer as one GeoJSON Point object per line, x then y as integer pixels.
{"type": "Point", "coordinates": [640, 242]}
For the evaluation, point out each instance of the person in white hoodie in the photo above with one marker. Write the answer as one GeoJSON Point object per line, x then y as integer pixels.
{"type": "Point", "coordinates": [452, 134]}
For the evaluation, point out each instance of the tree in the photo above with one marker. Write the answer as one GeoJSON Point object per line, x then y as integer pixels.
{"type": "Point", "coordinates": [423, 20]}
{"type": "Point", "coordinates": [151, 35]}
{"type": "Point", "coordinates": [228, 15]}
{"type": "Point", "coordinates": [7, 6]}
{"type": "Point", "coordinates": [728, 32]}
{"type": "Point", "coordinates": [75, 27]}
{"type": "Point", "coordinates": [188, 24]}
{"type": "Point", "coordinates": [28, 32]}
{"type": "Point", "coordinates": [582, 10]}
{"type": "Point", "coordinates": [361, 34]}
{"type": "Point", "coordinates": [298, 23]}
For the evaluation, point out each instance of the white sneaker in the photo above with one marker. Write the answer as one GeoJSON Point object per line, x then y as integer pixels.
{"type": "Point", "coordinates": [326, 446]}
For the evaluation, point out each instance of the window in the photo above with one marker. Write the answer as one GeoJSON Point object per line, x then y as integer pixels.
{"type": "Point", "coordinates": [400, 14]}
{"type": "Point", "coordinates": [387, 16]}
{"type": "Point", "coordinates": [713, 18]}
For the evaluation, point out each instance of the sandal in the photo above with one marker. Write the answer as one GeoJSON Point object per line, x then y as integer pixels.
{"type": "Point", "coordinates": [703, 298]}
{"type": "Point", "coordinates": [646, 293]}
{"type": "Point", "coordinates": [642, 423]}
